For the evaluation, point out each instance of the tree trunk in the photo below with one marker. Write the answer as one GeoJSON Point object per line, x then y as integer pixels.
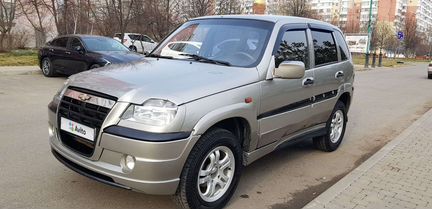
{"type": "Point", "coordinates": [40, 38]}
{"type": "Point", "coordinates": [2, 37]}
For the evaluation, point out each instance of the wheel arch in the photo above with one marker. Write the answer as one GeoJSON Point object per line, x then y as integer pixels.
{"type": "Point", "coordinates": [346, 99]}
{"type": "Point", "coordinates": [237, 119]}
{"type": "Point", "coordinates": [239, 126]}
{"type": "Point", "coordinates": [42, 57]}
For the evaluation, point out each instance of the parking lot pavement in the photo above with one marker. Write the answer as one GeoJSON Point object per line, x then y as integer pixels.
{"type": "Point", "coordinates": [385, 103]}
{"type": "Point", "coordinates": [397, 176]}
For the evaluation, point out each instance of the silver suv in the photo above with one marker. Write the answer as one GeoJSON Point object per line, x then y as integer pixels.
{"type": "Point", "coordinates": [186, 123]}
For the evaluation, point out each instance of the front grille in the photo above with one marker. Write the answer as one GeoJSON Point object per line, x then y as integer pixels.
{"type": "Point", "coordinates": [83, 112]}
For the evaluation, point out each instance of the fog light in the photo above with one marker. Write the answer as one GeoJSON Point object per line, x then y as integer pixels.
{"type": "Point", "coordinates": [127, 163]}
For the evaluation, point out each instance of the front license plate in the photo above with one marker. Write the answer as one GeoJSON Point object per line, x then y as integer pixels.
{"type": "Point", "coordinates": [77, 129]}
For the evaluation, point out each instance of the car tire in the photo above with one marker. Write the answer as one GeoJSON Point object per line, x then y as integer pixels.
{"type": "Point", "coordinates": [133, 48]}
{"type": "Point", "coordinates": [46, 67]}
{"type": "Point", "coordinates": [94, 66]}
{"type": "Point", "coordinates": [335, 129]}
{"type": "Point", "coordinates": [200, 166]}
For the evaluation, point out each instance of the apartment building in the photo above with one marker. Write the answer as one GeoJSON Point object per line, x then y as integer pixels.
{"type": "Point", "coordinates": [422, 10]}
{"type": "Point", "coordinates": [353, 15]}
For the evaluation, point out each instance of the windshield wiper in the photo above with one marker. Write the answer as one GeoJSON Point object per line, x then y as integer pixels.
{"type": "Point", "coordinates": [160, 56]}
{"type": "Point", "coordinates": [205, 59]}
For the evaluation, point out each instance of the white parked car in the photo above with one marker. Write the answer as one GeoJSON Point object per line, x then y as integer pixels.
{"type": "Point", "coordinates": [137, 42]}
{"type": "Point", "coordinates": [177, 48]}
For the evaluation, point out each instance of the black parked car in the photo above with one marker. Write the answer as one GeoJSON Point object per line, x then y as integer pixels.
{"type": "Point", "coordinates": [72, 54]}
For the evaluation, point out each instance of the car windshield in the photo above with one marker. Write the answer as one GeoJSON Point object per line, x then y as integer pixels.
{"type": "Point", "coordinates": [235, 42]}
{"type": "Point", "coordinates": [103, 44]}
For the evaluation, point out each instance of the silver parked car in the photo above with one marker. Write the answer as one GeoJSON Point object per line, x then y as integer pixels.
{"type": "Point", "coordinates": [186, 123]}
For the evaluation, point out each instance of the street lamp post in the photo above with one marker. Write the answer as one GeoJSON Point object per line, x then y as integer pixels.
{"type": "Point", "coordinates": [369, 35]}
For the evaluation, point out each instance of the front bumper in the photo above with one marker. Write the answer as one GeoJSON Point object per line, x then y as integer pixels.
{"type": "Point", "coordinates": [157, 169]}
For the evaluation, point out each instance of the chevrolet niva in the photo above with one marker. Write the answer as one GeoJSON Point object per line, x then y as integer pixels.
{"type": "Point", "coordinates": [214, 96]}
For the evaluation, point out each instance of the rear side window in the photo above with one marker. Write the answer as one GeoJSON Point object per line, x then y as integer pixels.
{"type": "Point", "coordinates": [60, 42]}
{"type": "Point", "coordinates": [293, 47]}
{"type": "Point", "coordinates": [343, 48]}
{"type": "Point", "coordinates": [135, 37]}
{"type": "Point", "coordinates": [324, 47]}
{"type": "Point", "coordinates": [146, 39]}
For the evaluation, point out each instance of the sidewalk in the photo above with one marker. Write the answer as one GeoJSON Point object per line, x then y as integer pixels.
{"type": "Point", "coordinates": [397, 176]}
{"type": "Point", "coordinates": [19, 70]}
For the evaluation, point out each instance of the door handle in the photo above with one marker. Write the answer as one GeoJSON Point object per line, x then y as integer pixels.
{"type": "Point", "coordinates": [51, 50]}
{"type": "Point", "coordinates": [66, 52]}
{"type": "Point", "coordinates": [339, 74]}
{"type": "Point", "coordinates": [308, 81]}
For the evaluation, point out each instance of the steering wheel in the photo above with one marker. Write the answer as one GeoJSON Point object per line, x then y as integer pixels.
{"type": "Point", "coordinates": [246, 55]}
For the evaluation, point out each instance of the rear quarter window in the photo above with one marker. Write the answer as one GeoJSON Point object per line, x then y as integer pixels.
{"type": "Point", "coordinates": [324, 47]}
{"type": "Point", "coordinates": [134, 37]}
{"type": "Point", "coordinates": [343, 48]}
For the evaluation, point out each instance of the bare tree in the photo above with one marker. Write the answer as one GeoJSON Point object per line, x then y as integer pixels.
{"type": "Point", "coordinates": [100, 14]}
{"type": "Point", "coordinates": [428, 40]}
{"type": "Point", "coordinates": [158, 18]}
{"type": "Point", "coordinates": [299, 8]}
{"type": "Point", "coordinates": [411, 38]}
{"type": "Point", "coordinates": [7, 16]}
{"type": "Point", "coordinates": [227, 7]}
{"type": "Point", "coordinates": [111, 15]}
{"type": "Point", "coordinates": [52, 6]}
{"type": "Point", "coordinates": [34, 11]}
{"type": "Point", "coordinates": [122, 11]}
{"type": "Point", "coordinates": [76, 13]}
{"type": "Point", "coordinates": [392, 44]}
{"type": "Point", "coordinates": [383, 32]}
{"type": "Point", "coordinates": [198, 8]}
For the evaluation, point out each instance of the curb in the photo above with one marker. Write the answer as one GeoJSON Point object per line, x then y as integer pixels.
{"type": "Point", "coordinates": [322, 200]}
{"type": "Point", "coordinates": [19, 70]}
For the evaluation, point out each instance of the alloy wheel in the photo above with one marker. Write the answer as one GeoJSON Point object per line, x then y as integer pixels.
{"type": "Point", "coordinates": [216, 174]}
{"type": "Point", "coordinates": [336, 126]}
{"type": "Point", "coordinates": [46, 66]}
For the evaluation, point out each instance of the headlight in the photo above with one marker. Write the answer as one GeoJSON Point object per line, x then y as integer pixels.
{"type": "Point", "coordinates": [154, 112]}
{"type": "Point", "coordinates": [107, 62]}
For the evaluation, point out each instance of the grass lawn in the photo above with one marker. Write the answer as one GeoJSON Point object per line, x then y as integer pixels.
{"type": "Point", "coordinates": [19, 58]}
{"type": "Point", "coordinates": [387, 62]}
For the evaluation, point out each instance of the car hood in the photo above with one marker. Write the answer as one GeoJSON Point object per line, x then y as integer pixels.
{"type": "Point", "coordinates": [176, 80]}
{"type": "Point", "coordinates": [120, 56]}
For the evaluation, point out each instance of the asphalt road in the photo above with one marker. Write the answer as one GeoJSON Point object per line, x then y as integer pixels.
{"type": "Point", "coordinates": [385, 102]}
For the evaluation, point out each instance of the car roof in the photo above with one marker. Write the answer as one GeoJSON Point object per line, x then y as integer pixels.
{"type": "Point", "coordinates": [131, 33]}
{"type": "Point", "coordinates": [81, 36]}
{"type": "Point", "coordinates": [269, 18]}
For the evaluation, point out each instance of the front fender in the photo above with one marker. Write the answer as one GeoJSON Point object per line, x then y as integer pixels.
{"type": "Point", "coordinates": [204, 113]}
{"type": "Point", "coordinates": [238, 110]}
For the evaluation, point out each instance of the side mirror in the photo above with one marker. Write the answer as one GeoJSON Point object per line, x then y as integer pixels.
{"type": "Point", "coordinates": [290, 70]}
{"type": "Point", "coordinates": [79, 49]}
